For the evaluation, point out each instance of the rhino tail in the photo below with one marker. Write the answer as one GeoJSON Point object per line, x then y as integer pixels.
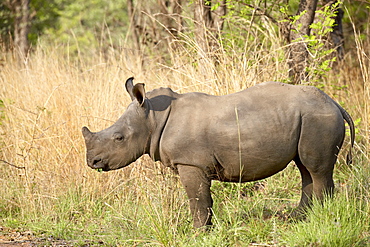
{"type": "Point", "coordinates": [349, 120]}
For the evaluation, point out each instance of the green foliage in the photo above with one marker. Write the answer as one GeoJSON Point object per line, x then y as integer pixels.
{"type": "Point", "coordinates": [288, 8]}
{"type": "Point", "coordinates": [90, 24]}
{"type": "Point", "coordinates": [357, 15]}
{"type": "Point", "coordinates": [294, 19]}
{"type": "Point", "coordinates": [243, 23]}
{"type": "Point", "coordinates": [320, 56]}
{"type": "Point", "coordinates": [6, 24]}
{"type": "Point", "coordinates": [45, 15]}
{"type": "Point", "coordinates": [82, 24]}
{"type": "Point", "coordinates": [321, 59]}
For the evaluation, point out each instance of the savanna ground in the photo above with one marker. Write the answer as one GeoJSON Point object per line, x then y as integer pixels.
{"type": "Point", "coordinates": [49, 197]}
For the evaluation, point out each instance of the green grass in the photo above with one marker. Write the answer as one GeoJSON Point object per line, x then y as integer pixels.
{"type": "Point", "coordinates": [338, 222]}
{"type": "Point", "coordinates": [151, 212]}
{"type": "Point", "coordinates": [341, 221]}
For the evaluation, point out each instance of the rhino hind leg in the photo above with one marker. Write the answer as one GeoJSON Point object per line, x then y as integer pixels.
{"type": "Point", "coordinates": [314, 186]}
{"type": "Point", "coordinates": [197, 186]}
{"type": "Point", "coordinates": [307, 185]}
{"type": "Point", "coordinates": [317, 153]}
{"type": "Point", "coordinates": [320, 140]}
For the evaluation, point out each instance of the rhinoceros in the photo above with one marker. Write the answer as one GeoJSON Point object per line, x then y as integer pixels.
{"type": "Point", "coordinates": [240, 137]}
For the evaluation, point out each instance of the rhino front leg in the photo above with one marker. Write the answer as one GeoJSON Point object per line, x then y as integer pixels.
{"type": "Point", "coordinates": [197, 185]}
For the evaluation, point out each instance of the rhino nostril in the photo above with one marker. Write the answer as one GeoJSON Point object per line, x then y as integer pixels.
{"type": "Point", "coordinates": [96, 160]}
{"type": "Point", "coordinates": [96, 163]}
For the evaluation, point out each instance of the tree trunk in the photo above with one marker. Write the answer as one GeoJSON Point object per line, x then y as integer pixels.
{"type": "Point", "coordinates": [336, 38]}
{"type": "Point", "coordinates": [171, 11]}
{"type": "Point", "coordinates": [21, 12]}
{"type": "Point", "coordinates": [155, 25]}
{"type": "Point", "coordinates": [298, 55]}
{"type": "Point", "coordinates": [134, 26]}
{"type": "Point", "coordinates": [208, 24]}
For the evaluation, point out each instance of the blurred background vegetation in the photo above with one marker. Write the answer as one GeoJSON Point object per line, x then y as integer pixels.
{"type": "Point", "coordinates": [151, 27]}
{"type": "Point", "coordinates": [63, 64]}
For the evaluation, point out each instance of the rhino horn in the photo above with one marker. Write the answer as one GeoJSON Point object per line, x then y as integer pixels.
{"type": "Point", "coordinates": [87, 133]}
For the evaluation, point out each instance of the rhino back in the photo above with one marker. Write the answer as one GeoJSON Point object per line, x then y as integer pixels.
{"type": "Point", "coordinates": [253, 133]}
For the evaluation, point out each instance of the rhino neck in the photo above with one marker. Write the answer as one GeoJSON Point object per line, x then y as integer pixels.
{"type": "Point", "coordinates": [160, 108]}
{"type": "Point", "coordinates": [159, 120]}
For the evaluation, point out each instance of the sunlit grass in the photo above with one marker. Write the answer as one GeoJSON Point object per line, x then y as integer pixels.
{"type": "Point", "coordinates": [53, 193]}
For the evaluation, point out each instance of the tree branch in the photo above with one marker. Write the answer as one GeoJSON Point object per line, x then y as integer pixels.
{"type": "Point", "coordinates": [262, 12]}
{"type": "Point", "coordinates": [18, 167]}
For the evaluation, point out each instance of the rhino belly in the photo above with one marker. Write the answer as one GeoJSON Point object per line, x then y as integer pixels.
{"type": "Point", "coordinates": [252, 170]}
{"type": "Point", "coordinates": [256, 158]}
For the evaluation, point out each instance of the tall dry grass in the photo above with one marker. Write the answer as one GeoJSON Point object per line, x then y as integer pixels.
{"type": "Point", "coordinates": [52, 95]}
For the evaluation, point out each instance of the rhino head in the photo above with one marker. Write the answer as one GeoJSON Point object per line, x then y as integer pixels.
{"type": "Point", "coordinates": [124, 141]}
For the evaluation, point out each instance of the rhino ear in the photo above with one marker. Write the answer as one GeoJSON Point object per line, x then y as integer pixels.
{"type": "Point", "coordinates": [139, 93]}
{"type": "Point", "coordinates": [129, 86]}
{"type": "Point", "coordinates": [86, 133]}
{"type": "Point", "coordinates": [136, 92]}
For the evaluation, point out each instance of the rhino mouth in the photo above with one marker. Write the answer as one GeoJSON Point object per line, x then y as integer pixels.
{"type": "Point", "coordinates": [98, 163]}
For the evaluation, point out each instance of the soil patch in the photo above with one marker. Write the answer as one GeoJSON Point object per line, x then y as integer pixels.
{"type": "Point", "coordinates": [17, 238]}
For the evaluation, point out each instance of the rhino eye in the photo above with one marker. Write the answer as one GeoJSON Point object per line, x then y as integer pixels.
{"type": "Point", "coordinates": [118, 137]}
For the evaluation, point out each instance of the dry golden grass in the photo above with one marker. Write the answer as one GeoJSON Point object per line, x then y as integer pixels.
{"type": "Point", "coordinates": [47, 100]}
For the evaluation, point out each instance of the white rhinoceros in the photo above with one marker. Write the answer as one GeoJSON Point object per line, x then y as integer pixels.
{"type": "Point", "coordinates": [241, 137]}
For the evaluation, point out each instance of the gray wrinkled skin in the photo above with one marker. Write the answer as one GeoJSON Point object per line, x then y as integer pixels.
{"type": "Point", "coordinates": [241, 137]}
